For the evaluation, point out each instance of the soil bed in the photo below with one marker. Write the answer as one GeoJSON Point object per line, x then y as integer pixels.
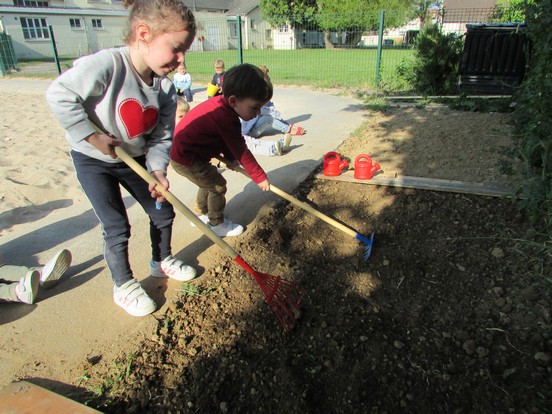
{"type": "Point", "coordinates": [451, 313]}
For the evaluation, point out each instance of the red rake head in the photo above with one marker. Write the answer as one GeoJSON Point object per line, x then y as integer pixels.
{"type": "Point", "coordinates": [283, 297]}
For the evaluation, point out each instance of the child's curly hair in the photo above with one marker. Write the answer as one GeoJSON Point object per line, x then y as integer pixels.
{"type": "Point", "coordinates": [160, 15]}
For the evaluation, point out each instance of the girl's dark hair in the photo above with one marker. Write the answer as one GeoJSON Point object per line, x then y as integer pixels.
{"type": "Point", "coordinates": [160, 15]}
{"type": "Point", "coordinates": [247, 81]}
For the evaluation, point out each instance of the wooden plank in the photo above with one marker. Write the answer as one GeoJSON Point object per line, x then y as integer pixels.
{"type": "Point", "coordinates": [26, 398]}
{"type": "Point", "coordinates": [420, 183]}
{"type": "Point", "coordinates": [391, 98]}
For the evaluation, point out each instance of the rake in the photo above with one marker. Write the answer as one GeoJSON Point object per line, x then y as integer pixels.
{"type": "Point", "coordinates": [283, 297]}
{"type": "Point", "coordinates": [367, 241]}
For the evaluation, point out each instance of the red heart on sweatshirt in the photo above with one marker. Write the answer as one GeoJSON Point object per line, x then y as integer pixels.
{"type": "Point", "coordinates": [136, 118]}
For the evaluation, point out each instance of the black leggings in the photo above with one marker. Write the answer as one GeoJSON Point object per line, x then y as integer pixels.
{"type": "Point", "coordinates": [101, 183]}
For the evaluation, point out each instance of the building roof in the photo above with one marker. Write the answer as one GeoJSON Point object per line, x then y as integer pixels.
{"type": "Point", "coordinates": [243, 6]}
{"type": "Point", "coordinates": [469, 4]}
{"type": "Point", "coordinates": [222, 6]}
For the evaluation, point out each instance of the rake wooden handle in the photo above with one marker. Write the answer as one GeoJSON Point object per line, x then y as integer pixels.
{"type": "Point", "coordinates": [171, 198]}
{"type": "Point", "coordinates": [301, 204]}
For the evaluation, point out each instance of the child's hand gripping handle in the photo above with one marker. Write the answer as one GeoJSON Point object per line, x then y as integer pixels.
{"type": "Point", "coordinates": [141, 171]}
{"type": "Point", "coordinates": [301, 204]}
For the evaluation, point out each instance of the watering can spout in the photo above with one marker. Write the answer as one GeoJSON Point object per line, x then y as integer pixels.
{"type": "Point", "coordinates": [375, 168]}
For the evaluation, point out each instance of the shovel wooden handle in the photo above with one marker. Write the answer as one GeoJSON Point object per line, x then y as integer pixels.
{"type": "Point", "coordinates": [301, 204]}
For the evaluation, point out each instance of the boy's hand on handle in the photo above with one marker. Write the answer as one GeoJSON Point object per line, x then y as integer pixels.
{"type": "Point", "coordinates": [105, 143]}
{"type": "Point", "coordinates": [264, 185]}
{"type": "Point", "coordinates": [232, 165]}
{"type": "Point", "coordinates": [159, 176]}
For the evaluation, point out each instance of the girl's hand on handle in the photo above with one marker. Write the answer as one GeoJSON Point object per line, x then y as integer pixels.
{"type": "Point", "coordinates": [105, 143]}
{"type": "Point", "coordinates": [159, 176]}
{"type": "Point", "coordinates": [264, 185]}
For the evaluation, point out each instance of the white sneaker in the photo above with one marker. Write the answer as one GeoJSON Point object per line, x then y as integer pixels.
{"type": "Point", "coordinates": [227, 228]}
{"type": "Point", "coordinates": [55, 268]}
{"type": "Point", "coordinates": [287, 142]}
{"type": "Point", "coordinates": [279, 144]}
{"type": "Point", "coordinates": [27, 288]}
{"type": "Point", "coordinates": [173, 268]}
{"type": "Point", "coordinates": [203, 217]}
{"type": "Point", "coordinates": [133, 298]}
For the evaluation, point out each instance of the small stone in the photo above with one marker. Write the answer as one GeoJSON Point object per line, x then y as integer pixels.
{"type": "Point", "coordinates": [530, 294]}
{"type": "Point", "coordinates": [223, 407]}
{"type": "Point", "coordinates": [542, 357]}
{"type": "Point", "coordinates": [508, 372]}
{"type": "Point", "coordinates": [469, 346]}
{"type": "Point", "coordinates": [500, 302]}
{"type": "Point", "coordinates": [482, 352]}
{"type": "Point", "coordinates": [498, 291]}
{"type": "Point", "coordinates": [498, 253]}
{"type": "Point", "coordinates": [398, 344]}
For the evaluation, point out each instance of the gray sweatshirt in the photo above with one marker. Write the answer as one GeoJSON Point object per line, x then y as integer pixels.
{"type": "Point", "coordinates": [105, 88]}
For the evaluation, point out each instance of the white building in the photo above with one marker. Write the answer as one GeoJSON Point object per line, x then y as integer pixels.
{"type": "Point", "coordinates": [85, 26]}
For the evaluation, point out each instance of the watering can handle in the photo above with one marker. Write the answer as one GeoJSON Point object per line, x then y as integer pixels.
{"type": "Point", "coordinates": [361, 156]}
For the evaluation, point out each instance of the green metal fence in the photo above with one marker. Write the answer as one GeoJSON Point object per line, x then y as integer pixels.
{"type": "Point", "coordinates": [8, 61]}
{"type": "Point", "coordinates": [303, 54]}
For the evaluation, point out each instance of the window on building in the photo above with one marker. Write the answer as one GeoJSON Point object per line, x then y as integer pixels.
{"type": "Point", "coordinates": [233, 28]}
{"type": "Point", "coordinates": [34, 28]}
{"type": "Point", "coordinates": [283, 29]}
{"type": "Point", "coordinates": [253, 24]}
{"type": "Point", "coordinates": [75, 24]}
{"type": "Point", "coordinates": [269, 33]}
{"type": "Point", "coordinates": [30, 3]}
{"type": "Point", "coordinates": [97, 23]}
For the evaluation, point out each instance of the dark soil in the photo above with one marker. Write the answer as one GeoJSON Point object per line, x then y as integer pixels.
{"type": "Point", "coordinates": [451, 312]}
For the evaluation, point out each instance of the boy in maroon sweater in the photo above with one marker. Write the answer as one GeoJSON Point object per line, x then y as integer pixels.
{"type": "Point", "coordinates": [212, 129]}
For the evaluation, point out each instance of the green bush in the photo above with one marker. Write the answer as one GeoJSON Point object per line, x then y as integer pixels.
{"type": "Point", "coordinates": [533, 119]}
{"type": "Point", "coordinates": [436, 64]}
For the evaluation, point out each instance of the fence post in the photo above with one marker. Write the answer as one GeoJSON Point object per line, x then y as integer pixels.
{"type": "Point", "coordinates": [53, 40]}
{"type": "Point", "coordinates": [8, 61]}
{"type": "Point", "coordinates": [240, 48]}
{"type": "Point", "coordinates": [380, 42]}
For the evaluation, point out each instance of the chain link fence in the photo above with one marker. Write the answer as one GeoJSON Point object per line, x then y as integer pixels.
{"type": "Point", "coordinates": [362, 57]}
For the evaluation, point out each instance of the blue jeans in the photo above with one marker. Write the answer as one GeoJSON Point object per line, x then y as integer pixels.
{"type": "Point", "coordinates": [101, 183]}
{"type": "Point", "coordinates": [266, 121]}
{"type": "Point", "coordinates": [188, 94]}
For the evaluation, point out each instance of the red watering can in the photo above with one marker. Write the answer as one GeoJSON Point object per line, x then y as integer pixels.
{"type": "Point", "coordinates": [333, 164]}
{"type": "Point", "coordinates": [364, 169]}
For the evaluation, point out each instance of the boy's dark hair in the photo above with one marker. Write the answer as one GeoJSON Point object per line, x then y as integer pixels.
{"type": "Point", "coordinates": [247, 81]}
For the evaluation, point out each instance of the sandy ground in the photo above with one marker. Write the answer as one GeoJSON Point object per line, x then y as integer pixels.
{"type": "Point", "coordinates": [43, 210]}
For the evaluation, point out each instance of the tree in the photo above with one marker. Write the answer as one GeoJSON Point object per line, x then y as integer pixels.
{"type": "Point", "coordinates": [337, 15]}
{"type": "Point", "coordinates": [514, 11]}
{"type": "Point", "coordinates": [422, 8]}
{"type": "Point", "coordinates": [294, 12]}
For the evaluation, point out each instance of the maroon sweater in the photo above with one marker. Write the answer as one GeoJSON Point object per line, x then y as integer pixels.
{"type": "Point", "coordinates": [210, 129]}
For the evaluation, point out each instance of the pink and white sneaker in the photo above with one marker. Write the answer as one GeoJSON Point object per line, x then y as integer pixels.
{"type": "Point", "coordinates": [173, 268]}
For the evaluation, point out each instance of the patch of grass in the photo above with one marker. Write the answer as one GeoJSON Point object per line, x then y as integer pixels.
{"type": "Point", "coordinates": [318, 68]}
{"type": "Point", "coordinates": [465, 103]}
{"type": "Point", "coordinates": [189, 289]}
{"type": "Point", "coordinates": [376, 103]}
